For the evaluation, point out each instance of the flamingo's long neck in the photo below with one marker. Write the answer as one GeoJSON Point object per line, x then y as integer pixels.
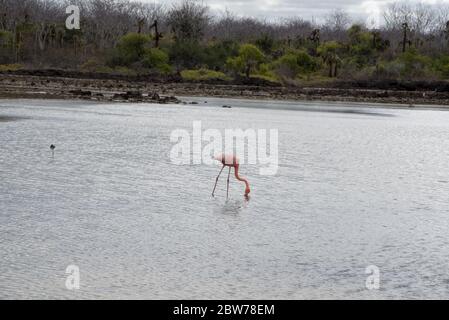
{"type": "Point", "coordinates": [236, 171]}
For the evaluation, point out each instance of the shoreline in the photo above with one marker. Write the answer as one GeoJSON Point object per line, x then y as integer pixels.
{"type": "Point", "coordinates": [123, 90]}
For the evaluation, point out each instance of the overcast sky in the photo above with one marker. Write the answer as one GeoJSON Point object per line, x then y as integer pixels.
{"type": "Point", "coordinates": [360, 9]}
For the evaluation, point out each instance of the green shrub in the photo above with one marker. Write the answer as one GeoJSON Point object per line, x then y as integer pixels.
{"type": "Point", "coordinates": [441, 65]}
{"type": "Point", "coordinates": [390, 70]}
{"type": "Point", "coordinates": [236, 64]}
{"type": "Point", "coordinates": [156, 59]}
{"type": "Point", "coordinates": [408, 65]}
{"type": "Point", "coordinates": [265, 43]}
{"type": "Point", "coordinates": [265, 72]}
{"type": "Point", "coordinates": [287, 66]}
{"type": "Point", "coordinates": [414, 64]}
{"type": "Point", "coordinates": [295, 63]}
{"type": "Point", "coordinates": [6, 38]}
{"type": "Point", "coordinates": [248, 60]}
{"type": "Point", "coordinates": [130, 49]}
{"type": "Point", "coordinates": [216, 54]}
{"type": "Point", "coordinates": [133, 52]}
{"type": "Point", "coordinates": [186, 54]}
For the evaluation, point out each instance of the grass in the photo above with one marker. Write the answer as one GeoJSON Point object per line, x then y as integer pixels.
{"type": "Point", "coordinates": [94, 66]}
{"type": "Point", "coordinates": [267, 77]}
{"type": "Point", "coordinates": [10, 67]}
{"type": "Point", "coordinates": [125, 71]}
{"type": "Point", "coordinates": [314, 80]}
{"type": "Point", "coordinates": [203, 74]}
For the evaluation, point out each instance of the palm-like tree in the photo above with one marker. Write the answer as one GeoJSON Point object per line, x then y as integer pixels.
{"type": "Point", "coordinates": [329, 53]}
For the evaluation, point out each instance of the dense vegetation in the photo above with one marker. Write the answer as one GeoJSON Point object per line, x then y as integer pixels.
{"type": "Point", "coordinates": [134, 38]}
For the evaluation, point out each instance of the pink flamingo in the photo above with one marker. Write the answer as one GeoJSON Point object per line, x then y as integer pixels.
{"type": "Point", "coordinates": [231, 161]}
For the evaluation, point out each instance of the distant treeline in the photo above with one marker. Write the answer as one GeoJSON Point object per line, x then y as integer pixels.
{"type": "Point", "coordinates": [125, 37]}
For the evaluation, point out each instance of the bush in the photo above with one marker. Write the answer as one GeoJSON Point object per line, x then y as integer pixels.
{"type": "Point", "coordinates": [215, 55]}
{"type": "Point", "coordinates": [408, 65]}
{"type": "Point", "coordinates": [287, 66]}
{"type": "Point", "coordinates": [350, 68]}
{"type": "Point", "coordinates": [156, 59]}
{"type": "Point", "coordinates": [6, 38]}
{"type": "Point", "coordinates": [130, 49]}
{"type": "Point", "coordinates": [390, 70]}
{"type": "Point", "coordinates": [265, 43]}
{"type": "Point", "coordinates": [6, 47]}
{"type": "Point", "coordinates": [235, 65]}
{"type": "Point", "coordinates": [203, 74]}
{"type": "Point", "coordinates": [133, 51]}
{"type": "Point", "coordinates": [186, 54]}
{"type": "Point", "coordinates": [414, 64]}
{"type": "Point", "coordinates": [441, 65]}
{"type": "Point", "coordinates": [295, 63]}
{"type": "Point", "coordinates": [248, 60]}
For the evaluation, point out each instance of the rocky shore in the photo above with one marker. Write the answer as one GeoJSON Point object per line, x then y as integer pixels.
{"type": "Point", "coordinates": [20, 86]}
{"type": "Point", "coordinates": [48, 86]}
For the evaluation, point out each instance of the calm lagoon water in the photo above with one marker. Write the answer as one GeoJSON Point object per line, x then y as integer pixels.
{"type": "Point", "coordinates": [355, 187]}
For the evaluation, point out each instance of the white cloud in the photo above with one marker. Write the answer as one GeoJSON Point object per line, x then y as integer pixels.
{"type": "Point", "coordinates": [368, 10]}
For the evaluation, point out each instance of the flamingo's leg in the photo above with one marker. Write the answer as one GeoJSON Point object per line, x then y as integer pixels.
{"type": "Point", "coordinates": [227, 186]}
{"type": "Point", "coordinates": [216, 181]}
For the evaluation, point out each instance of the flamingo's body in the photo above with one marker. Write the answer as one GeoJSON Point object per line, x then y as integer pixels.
{"type": "Point", "coordinates": [231, 161]}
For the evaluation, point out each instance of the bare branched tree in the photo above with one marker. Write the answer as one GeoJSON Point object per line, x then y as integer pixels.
{"type": "Point", "coordinates": [337, 20]}
{"type": "Point", "coordinates": [35, 29]}
{"type": "Point", "coordinates": [188, 20]}
{"type": "Point", "coordinates": [420, 17]}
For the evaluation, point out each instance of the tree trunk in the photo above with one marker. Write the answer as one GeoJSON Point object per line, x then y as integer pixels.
{"type": "Point", "coordinates": [42, 36]}
{"type": "Point", "coordinates": [14, 43]}
{"type": "Point", "coordinates": [404, 41]}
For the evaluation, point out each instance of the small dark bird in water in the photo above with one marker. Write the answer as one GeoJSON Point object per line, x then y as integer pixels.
{"type": "Point", "coordinates": [52, 148]}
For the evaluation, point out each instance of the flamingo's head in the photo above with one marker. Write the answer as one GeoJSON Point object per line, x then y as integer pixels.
{"type": "Point", "coordinates": [219, 157]}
